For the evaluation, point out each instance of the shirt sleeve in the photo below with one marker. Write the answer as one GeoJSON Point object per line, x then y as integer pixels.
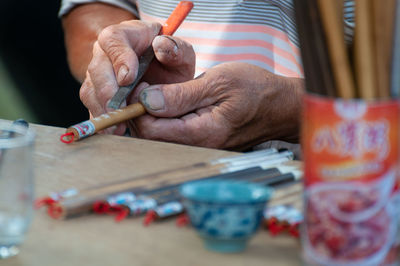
{"type": "Point", "coordinates": [349, 17]}
{"type": "Point", "coordinates": [67, 5]}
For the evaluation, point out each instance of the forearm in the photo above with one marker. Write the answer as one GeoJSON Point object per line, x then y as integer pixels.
{"type": "Point", "coordinates": [81, 28]}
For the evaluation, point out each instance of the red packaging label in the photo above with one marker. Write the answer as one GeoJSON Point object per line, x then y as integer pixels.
{"type": "Point", "coordinates": [351, 156]}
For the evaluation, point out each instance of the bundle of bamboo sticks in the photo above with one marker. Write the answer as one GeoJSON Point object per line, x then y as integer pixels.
{"type": "Point", "coordinates": [74, 202]}
{"type": "Point", "coordinates": [367, 68]}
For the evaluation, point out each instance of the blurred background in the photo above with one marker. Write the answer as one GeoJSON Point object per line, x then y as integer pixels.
{"type": "Point", "coordinates": [35, 82]}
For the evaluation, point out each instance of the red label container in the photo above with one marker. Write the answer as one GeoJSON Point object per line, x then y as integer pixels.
{"type": "Point", "coordinates": [351, 195]}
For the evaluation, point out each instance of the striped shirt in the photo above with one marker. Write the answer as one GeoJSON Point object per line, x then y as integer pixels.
{"type": "Point", "coordinates": [259, 32]}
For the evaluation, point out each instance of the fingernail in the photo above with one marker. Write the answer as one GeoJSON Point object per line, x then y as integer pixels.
{"type": "Point", "coordinates": [122, 73]}
{"type": "Point", "coordinates": [161, 38]}
{"type": "Point", "coordinates": [153, 99]}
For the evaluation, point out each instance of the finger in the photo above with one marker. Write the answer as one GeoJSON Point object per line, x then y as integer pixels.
{"type": "Point", "coordinates": [123, 42]}
{"type": "Point", "coordinates": [132, 128]}
{"type": "Point", "coordinates": [102, 77]}
{"type": "Point", "coordinates": [88, 97]}
{"type": "Point", "coordinates": [134, 97]}
{"type": "Point", "coordinates": [173, 52]}
{"type": "Point", "coordinates": [193, 129]}
{"type": "Point", "coordinates": [173, 100]}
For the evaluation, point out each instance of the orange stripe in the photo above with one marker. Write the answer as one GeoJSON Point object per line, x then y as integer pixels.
{"type": "Point", "coordinates": [248, 56]}
{"type": "Point", "coordinates": [232, 43]}
{"type": "Point", "coordinates": [224, 27]}
{"type": "Point", "coordinates": [200, 70]}
{"type": "Point", "coordinates": [240, 43]}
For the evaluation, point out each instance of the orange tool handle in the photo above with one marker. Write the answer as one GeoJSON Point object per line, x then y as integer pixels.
{"type": "Point", "coordinates": [176, 18]}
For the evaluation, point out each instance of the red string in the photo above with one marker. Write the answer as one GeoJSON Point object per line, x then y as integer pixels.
{"type": "Point", "coordinates": [275, 227]}
{"type": "Point", "coordinates": [182, 220]}
{"type": "Point", "coordinates": [46, 201]}
{"type": "Point", "coordinates": [67, 137]}
{"type": "Point", "coordinates": [123, 213]}
{"type": "Point", "coordinates": [55, 211]}
{"type": "Point", "coordinates": [102, 207]}
{"type": "Point", "coordinates": [150, 217]}
{"type": "Point", "coordinates": [294, 230]}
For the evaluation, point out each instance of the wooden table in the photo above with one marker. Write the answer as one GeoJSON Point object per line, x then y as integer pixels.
{"type": "Point", "coordinates": [99, 240]}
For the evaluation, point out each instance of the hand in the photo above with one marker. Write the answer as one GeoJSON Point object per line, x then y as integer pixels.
{"type": "Point", "coordinates": [115, 62]}
{"type": "Point", "coordinates": [231, 106]}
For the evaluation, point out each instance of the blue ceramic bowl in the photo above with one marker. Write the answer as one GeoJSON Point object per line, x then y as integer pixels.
{"type": "Point", "coordinates": [225, 213]}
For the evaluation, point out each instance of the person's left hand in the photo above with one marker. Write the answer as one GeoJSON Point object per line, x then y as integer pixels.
{"type": "Point", "coordinates": [232, 106]}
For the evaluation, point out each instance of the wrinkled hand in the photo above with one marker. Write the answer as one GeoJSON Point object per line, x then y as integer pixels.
{"type": "Point", "coordinates": [232, 106]}
{"type": "Point", "coordinates": [115, 62]}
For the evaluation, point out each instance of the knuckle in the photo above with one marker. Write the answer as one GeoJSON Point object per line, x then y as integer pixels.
{"type": "Point", "coordinates": [92, 67]}
{"type": "Point", "coordinates": [85, 92]}
{"type": "Point", "coordinates": [221, 81]}
{"type": "Point", "coordinates": [175, 98]}
{"type": "Point", "coordinates": [112, 41]}
{"type": "Point", "coordinates": [109, 33]}
{"type": "Point", "coordinates": [133, 23]}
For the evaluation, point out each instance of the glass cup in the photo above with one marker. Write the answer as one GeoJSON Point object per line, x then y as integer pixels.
{"type": "Point", "coordinates": [16, 185]}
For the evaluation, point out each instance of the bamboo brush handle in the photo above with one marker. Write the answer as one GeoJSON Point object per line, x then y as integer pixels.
{"type": "Point", "coordinates": [337, 50]}
{"type": "Point", "coordinates": [83, 202]}
{"type": "Point", "coordinates": [364, 51]}
{"type": "Point", "coordinates": [383, 15]}
{"type": "Point", "coordinates": [94, 125]}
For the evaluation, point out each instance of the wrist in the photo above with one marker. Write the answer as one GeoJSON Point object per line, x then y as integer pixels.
{"type": "Point", "coordinates": [282, 108]}
{"type": "Point", "coordinates": [296, 88]}
{"type": "Point", "coordinates": [81, 28]}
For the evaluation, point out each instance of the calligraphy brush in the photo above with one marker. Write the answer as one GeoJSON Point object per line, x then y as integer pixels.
{"type": "Point", "coordinates": [92, 126]}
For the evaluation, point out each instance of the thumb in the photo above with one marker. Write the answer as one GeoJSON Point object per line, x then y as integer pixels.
{"type": "Point", "coordinates": [171, 100]}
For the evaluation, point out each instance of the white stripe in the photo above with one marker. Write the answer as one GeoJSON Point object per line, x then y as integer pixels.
{"type": "Point", "coordinates": [262, 13]}
{"type": "Point", "coordinates": [206, 64]}
{"type": "Point", "coordinates": [218, 35]}
{"type": "Point", "coordinates": [210, 63]}
{"type": "Point", "coordinates": [248, 49]}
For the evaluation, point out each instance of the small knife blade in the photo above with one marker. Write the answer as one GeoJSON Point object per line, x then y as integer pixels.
{"type": "Point", "coordinates": [171, 25]}
{"type": "Point", "coordinates": [123, 91]}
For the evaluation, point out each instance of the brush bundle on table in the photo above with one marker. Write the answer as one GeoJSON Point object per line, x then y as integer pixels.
{"type": "Point", "coordinates": [139, 194]}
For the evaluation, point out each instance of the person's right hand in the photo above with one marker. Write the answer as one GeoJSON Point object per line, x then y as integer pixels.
{"type": "Point", "coordinates": [115, 63]}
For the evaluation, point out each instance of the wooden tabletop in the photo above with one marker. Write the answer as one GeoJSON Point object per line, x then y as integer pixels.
{"type": "Point", "coordinates": [99, 240]}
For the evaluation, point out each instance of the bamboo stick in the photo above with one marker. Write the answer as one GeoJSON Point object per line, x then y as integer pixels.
{"type": "Point", "coordinates": [337, 50]}
{"type": "Point", "coordinates": [364, 51]}
{"type": "Point", "coordinates": [315, 57]}
{"type": "Point", "coordinates": [383, 25]}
